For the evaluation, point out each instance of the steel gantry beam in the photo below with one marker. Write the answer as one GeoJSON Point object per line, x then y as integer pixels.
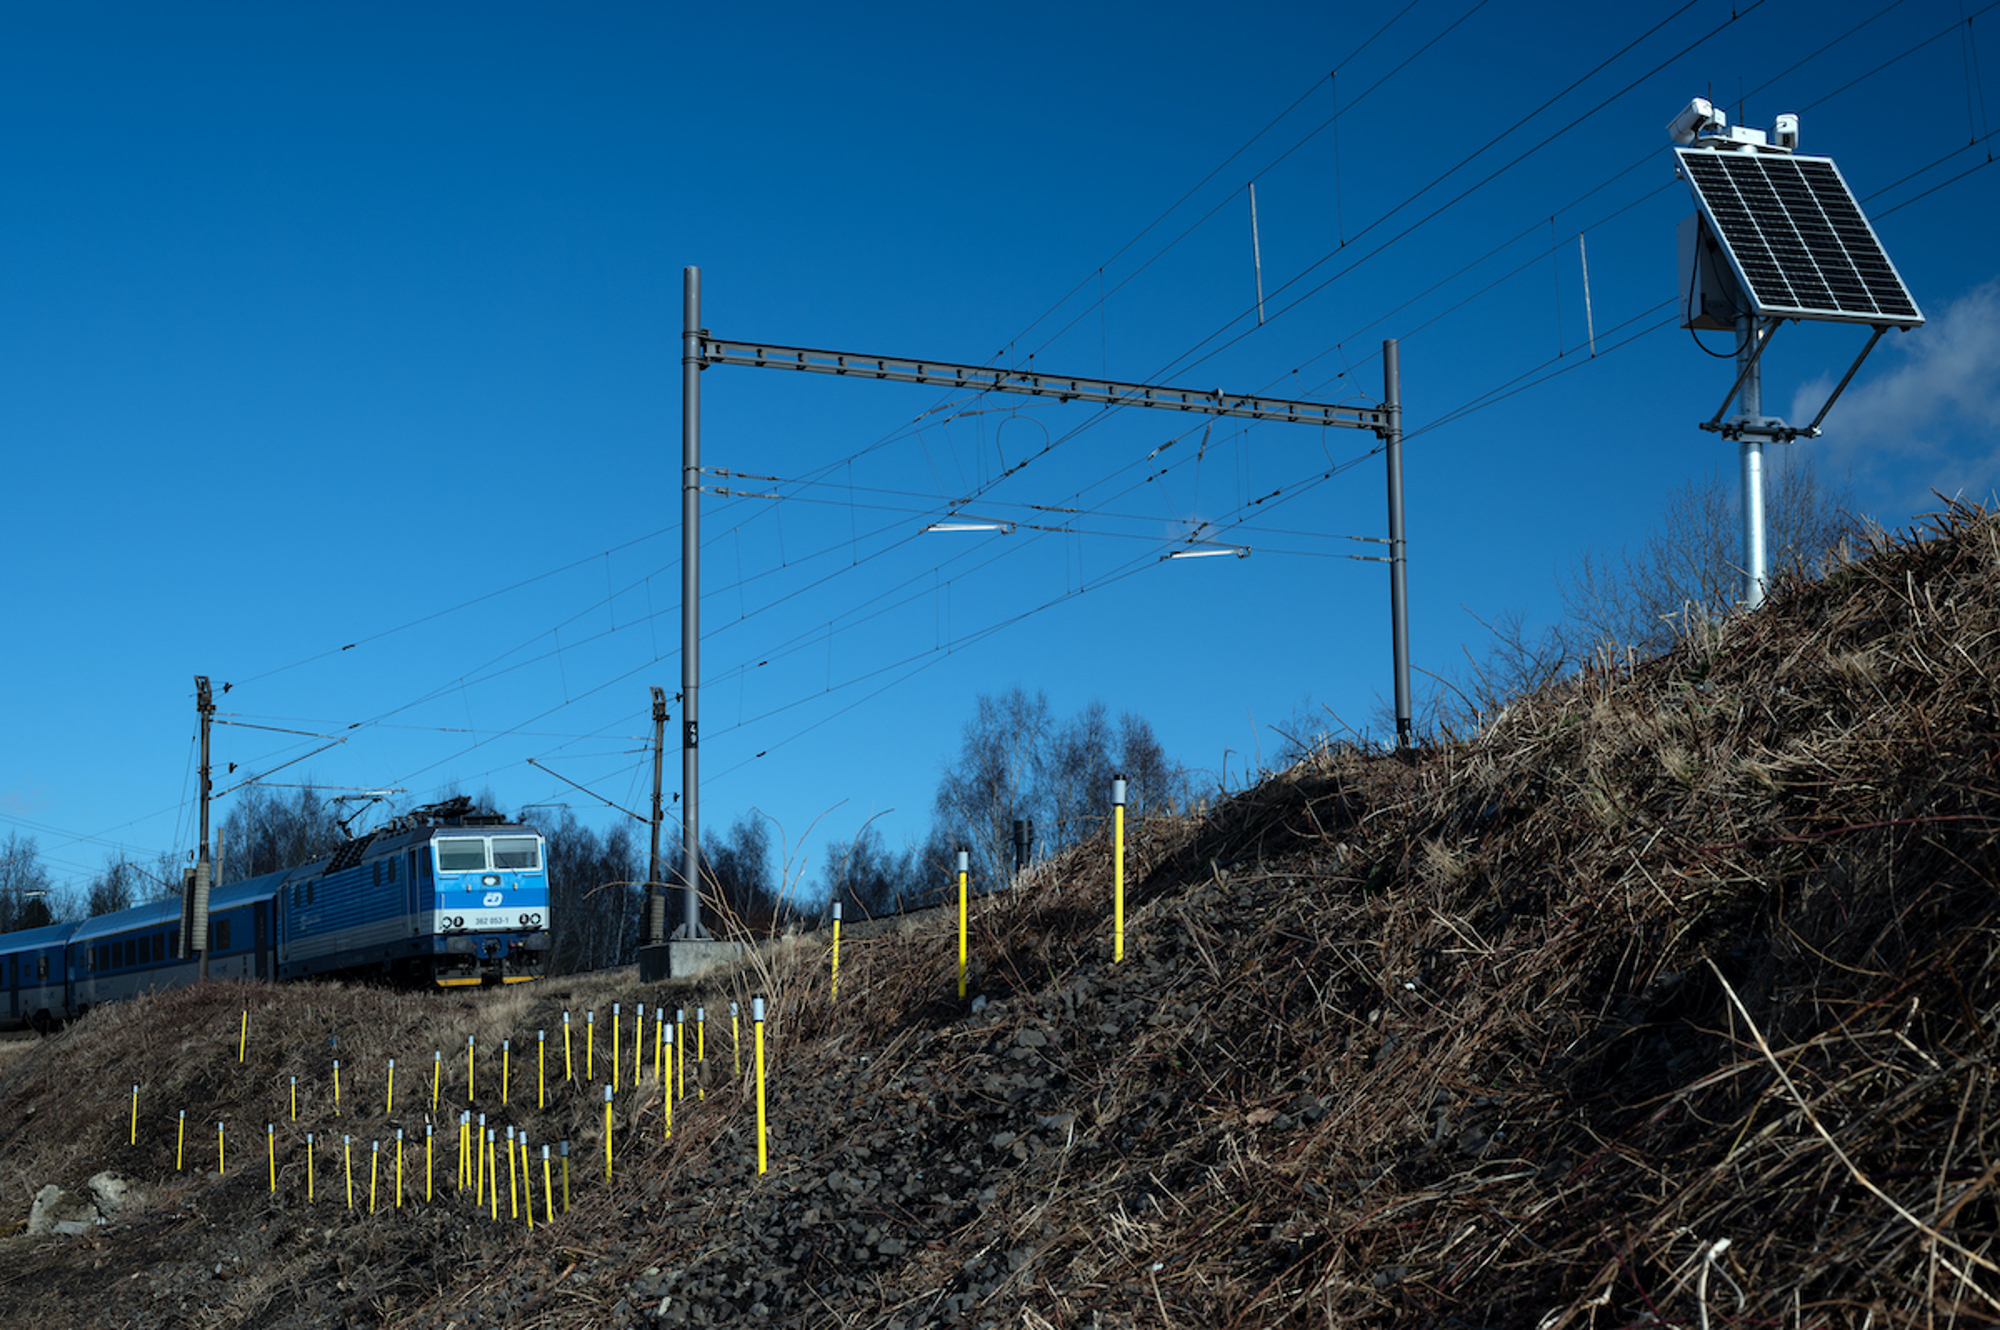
{"type": "Point", "coordinates": [699, 351]}
{"type": "Point", "coordinates": [1063, 388]}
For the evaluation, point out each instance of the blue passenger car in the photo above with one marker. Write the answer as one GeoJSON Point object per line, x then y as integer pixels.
{"type": "Point", "coordinates": [129, 952]}
{"type": "Point", "coordinates": [34, 987]}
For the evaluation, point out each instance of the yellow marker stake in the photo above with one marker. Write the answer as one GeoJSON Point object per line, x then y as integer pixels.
{"type": "Point", "coordinates": [399, 1168]}
{"type": "Point", "coordinates": [565, 1159]}
{"type": "Point", "coordinates": [614, 1045]}
{"type": "Point", "coordinates": [513, 1180]}
{"type": "Point", "coordinates": [271, 1148]}
{"type": "Point", "coordinates": [1117, 869]}
{"type": "Point", "coordinates": [347, 1153]}
{"type": "Point", "coordinates": [336, 1087]}
{"type": "Point", "coordinates": [135, 1115]}
{"type": "Point", "coordinates": [548, 1192]}
{"type": "Point", "coordinates": [607, 1133]}
{"type": "Point", "coordinates": [680, 1052]}
{"type": "Point", "coordinates": [180, 1141]}
{"type": "Point", "coordinates": [668, 1098]}
{"type": "Point", "coordinates": [463, 1161]}
{"type": "Point", "coordinates": [389, 1104]}
{"type": "Point", "coordinates": [243, 1039]}
{"type": "Point", "coordinates": [468, 1069]}
{"type": "Point", "coordinates": [659, 1043]}
{"type": "Point", "coordinates": [309, 1168]}
{"type": "Point", "coordinates": [700, 1052]}
{"type": "Point", "coordinates": [374, 1158]}
{"type": "Point", "coordinates": [437, 1068]}
{"type": "Point", "coordinates": [735, 1044]}
{"type": "Point", "coordinates": [506, 1067]}
{"type": "Point", "coordinates": [527, 1183]}
{"type": "Point", "coordinates": [541, 1069]}
{"type": "Point", "coordinates": [569, 1068]}
{"type": "Point", "coordinates": [962, 858]}
{"type": "Point", "coordinates": [295, 1099]}
{"type": "Point", "coordinates": [427, 1162]}
{"type": "Point", "coordinates": [638, 1044]}
{"type": "Point", "coordinates": [757, 1024]}
{"type": "Point", "coordinates": [479, 1165]}
{"type": "Point", "coordinates": [834, 994]}
{"type": "Point", "coordinates": [493, 1192]}
{"type": "Point", "coordinates": [590, 1045]}
{"type": "Point", "coordinates": [219, 1166]}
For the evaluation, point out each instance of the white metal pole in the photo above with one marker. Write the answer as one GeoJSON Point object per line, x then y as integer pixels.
{"type": "Point", "coordinates": [1750, 413]}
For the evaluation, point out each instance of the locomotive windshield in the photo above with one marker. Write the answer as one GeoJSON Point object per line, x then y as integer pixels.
{"type": "Point", "coordinates": [524, 852]}
{"type": "Point", "coordinates": [477, 854]}
{"type": "Point", "coordinates": [461, 854]}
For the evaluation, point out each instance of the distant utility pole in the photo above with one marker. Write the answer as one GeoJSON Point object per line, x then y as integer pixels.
{"type": "Point", "coordinates": [194, 913]}
{"type": "Point", "coordinates": [656, 897]}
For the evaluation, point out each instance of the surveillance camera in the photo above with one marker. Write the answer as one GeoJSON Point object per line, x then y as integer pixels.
{"type": "Point", "coordinates": [1785, 132]}
{"type": "Point", "coordinates": [1698, 116]}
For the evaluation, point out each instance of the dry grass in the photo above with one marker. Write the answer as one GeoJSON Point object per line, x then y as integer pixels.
{"type": "Point", "coordinates": [1666, 1000]}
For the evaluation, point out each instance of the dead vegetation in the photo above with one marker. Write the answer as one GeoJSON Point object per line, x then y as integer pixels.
{"type": "Point", "coordinates": [1667, 999]}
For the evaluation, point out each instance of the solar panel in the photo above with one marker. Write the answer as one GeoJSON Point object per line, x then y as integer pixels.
{"type": "Point", "coordinates": [1796, 238]}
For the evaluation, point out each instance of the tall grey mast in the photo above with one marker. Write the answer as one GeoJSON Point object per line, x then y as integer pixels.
{"type": "Point", "coordinates": [691, 339]}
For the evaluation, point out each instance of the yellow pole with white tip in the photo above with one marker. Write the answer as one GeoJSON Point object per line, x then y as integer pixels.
{"type": "Point", "coordinates": [963, 859]}
{"type": "Point", "coordinates": [1117, 869]}
{"type": "Point", "coordinates": [757, 1020]}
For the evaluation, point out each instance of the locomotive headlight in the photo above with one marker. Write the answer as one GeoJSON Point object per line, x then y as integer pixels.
{"type": "Point", "coordinates": [490, 880]}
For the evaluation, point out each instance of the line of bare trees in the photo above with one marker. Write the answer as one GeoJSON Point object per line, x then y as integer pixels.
{"type": "Point", "coordinates": [1016, 761]}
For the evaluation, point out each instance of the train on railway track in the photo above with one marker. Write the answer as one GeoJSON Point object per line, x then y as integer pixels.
{"type": "Point", "coordinates": [442, 896]}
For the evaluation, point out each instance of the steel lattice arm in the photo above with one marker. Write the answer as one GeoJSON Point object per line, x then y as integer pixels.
{"type": "Point", "coordinates": [979, 378]}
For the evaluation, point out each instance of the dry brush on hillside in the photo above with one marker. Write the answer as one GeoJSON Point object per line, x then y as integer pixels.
{"type": "Point", "coordinates": [1666, 999]}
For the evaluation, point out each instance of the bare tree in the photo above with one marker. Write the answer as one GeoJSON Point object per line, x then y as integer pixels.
{"type": "Point", "coordinates": [1016, 761]}
{"type": "Point", "coordinates": [264, 831]}
{"type": "Point", "coordinates": [1078, 773]}
{"type": "Point", "coordinates": [996, 779]}
{"type": "Point", "coordinates": [1154, 784]}
{"type": "Point", "coordinates": [115, 888]}
{"type": "Point", "coordinates": [24, 885]}
{"type": "Point", "coordinates": [1691, 563]}
{"type": "Point", "coordinates": [739, 869]}
{"type": "Point", "coordinates": [595, 896]}
{"type": "Point", "coordinates": [1688, 568]}
{"type": "Point", "coordinates": [867, 879]}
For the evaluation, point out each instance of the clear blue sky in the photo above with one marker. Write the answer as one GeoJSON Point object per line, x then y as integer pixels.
{"type": "Point", "coordinates": [358, 324]}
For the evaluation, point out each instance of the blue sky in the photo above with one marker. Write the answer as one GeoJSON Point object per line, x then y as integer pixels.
{"type": "Point", "coordinates": [341, 364]}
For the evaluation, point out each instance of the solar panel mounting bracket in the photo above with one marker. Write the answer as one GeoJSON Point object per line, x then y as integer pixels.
{"type": "Point", "coordinates": [1772, 427]}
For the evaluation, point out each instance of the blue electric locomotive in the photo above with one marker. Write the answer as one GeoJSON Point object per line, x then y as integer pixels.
{"type": "Point", "coordinates": [465, 901]}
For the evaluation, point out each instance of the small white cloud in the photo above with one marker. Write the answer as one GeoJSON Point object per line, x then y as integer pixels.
{"type": "Point", "coordinates": [1933, 418]}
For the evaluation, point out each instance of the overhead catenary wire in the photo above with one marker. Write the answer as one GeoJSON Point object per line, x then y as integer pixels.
{"type": "Point", "coordinates": [657, 655]}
